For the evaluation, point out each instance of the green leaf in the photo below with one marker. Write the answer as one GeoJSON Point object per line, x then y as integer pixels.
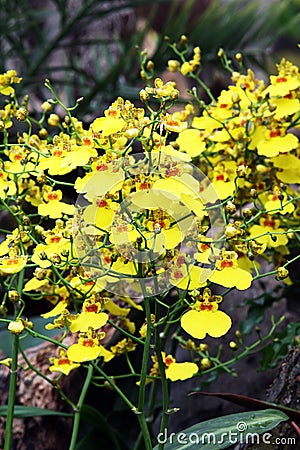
{"type": "Point", "coordinates": [256, 315]}
{"type": "Point", "coordinates": [274, 353]}
{"type": "Point", "coordinates": [90, 441]}
{"type": "Point", "coordinates": [252, 403]}
{"type": "Point", "coordinates": [223, 431]}
{"type": "Point", "coordinates": [22, 411]}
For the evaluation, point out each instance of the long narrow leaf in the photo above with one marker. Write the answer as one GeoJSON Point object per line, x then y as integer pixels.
{"type": "Point", "coordinates": [223, 431]}
{"type": "Point", "coordinates": [22, 411]}
{"type": "Point", "coordinates": [252, 403]}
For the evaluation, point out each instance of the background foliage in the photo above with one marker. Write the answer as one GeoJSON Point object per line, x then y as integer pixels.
{"type": "Point", "coordinates": [87, 48]}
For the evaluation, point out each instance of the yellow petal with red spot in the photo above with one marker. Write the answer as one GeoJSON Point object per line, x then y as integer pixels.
{"type": "Point", "coordinates": [64, 367]}
{"type": "Point", "coordinates": [13, 264]}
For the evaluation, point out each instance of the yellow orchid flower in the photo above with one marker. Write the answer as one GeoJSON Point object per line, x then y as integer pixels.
{"type": "Point", "coordinates": [62, 364]}
{"type": "Point", "coordinates": [229, 274]}
{"type": "Point", "coordinates": [205, 317]}
{"type": "Point", "coordinates": [88, 348]}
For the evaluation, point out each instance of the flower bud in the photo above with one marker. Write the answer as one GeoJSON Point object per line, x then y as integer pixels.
{"type": "Point", "coordinates": [247, 212]}
{"type": "Point", "coordinates": [13, 296]}
{"type": "Point", "coordinates": [230, 207]}
{"type": "Point", "coordinates": [53, 120]}
{"type": "Point", "coordinates": [39, 273]}
{"type": "Point", "coordinates": [144, 96]}
{"type": "Point", "coordinates": [282, 273]}
{"type": "Point", "coordinates": [205, 363]}
{"type": "Point", "coordinates": [183, 39]}
{"type": "Point", "coordinates": [230, 231]}
{"type": "Point", "coordinates": [220, 53]}
{"type": "Point", "coordinates": [203, 347]}
{"type": "Point", "coordinates": [173, 65]}
{"type": "Point", "coordinates": [67, 120]}
{"type": "Point", "coordinates": [16, 326]}
{"type": "Point", "coordinates": [21, 114]}
{"type": "Point", "coordinates": [239, 57]}
{"type": "Point", "coordinates": [26, 220]}
{"type": "Point", "coordinates": [150, 65]}
{"type": "Point", "coordinates": [233, 345]}
{"type": "Point", "coordinates": [241, 171]}
{"type": "Point", "coordinates": [46, 107]}
{"type": "Point", "coordinates": [55, 258]}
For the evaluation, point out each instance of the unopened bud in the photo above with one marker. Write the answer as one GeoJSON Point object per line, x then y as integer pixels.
{"type": "Point", "coordinates": [16, 326]}
{"type": "Point", "coordinates": [13, 296]}
{"type": "Point", "coordinates": [46, 106]}
{"type": "Point", "coordinates": [233, 345]}
{"type": "Point", "coordinates": [144, 96]}
{"type": "Point", "coordinates": [241, 171]}
{"type": "Point", "coordinates": [53, 120]}
{"type": "Point", "coordinates": [282, 273]}
{"type": "Point", "coordinates": [203, 347]}
{"type": "Point", "coordinates": [205, 363]}
{"type": "Point", "coordinates": [21, 114]}
{"type": "Point", "coordinates": [220, 53]}
{"type": "Point", "coordinates": [55, 258]}
{"type": "Point", "coordinates": [247, 212]}
{"type": "Point", "coordinates": [39, 273]}
{"type": "Point", "coordinates": [67, 120]}
{"type": "Point", "coordinates": [230, 207]}
{"type": "Point", "coordinates": [43, 133]}
{"type": "Point", "coordinates": [173, 65]}
{"type": "Point", "coordinates": [183, 39]}
{"type": "Point", "coordinates": [150, 65]}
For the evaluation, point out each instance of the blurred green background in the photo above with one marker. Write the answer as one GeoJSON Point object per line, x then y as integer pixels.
{"type": "Point", "coordinates": [88, 48]}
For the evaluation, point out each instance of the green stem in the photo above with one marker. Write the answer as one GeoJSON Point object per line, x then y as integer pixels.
{"type": "Point", "coordinates": [143, 379]}
{"type": "Point", "coordinates": [79, 407]}
{"type": "Point", "coordinates": [12, 393]}
{"type": "Point", "coordinates": [165, 392]}
{"type": "Point", "coordinates": [115, 387]}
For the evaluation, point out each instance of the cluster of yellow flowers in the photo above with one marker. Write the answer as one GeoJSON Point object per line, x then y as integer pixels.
{"type": "Point", "coordinates": [145, 200]}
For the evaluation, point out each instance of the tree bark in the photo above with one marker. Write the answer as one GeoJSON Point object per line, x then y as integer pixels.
{"type": "Point", "coordinates": [285, 390]}
{"type": "Point", "coordinates": [47, 432]}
